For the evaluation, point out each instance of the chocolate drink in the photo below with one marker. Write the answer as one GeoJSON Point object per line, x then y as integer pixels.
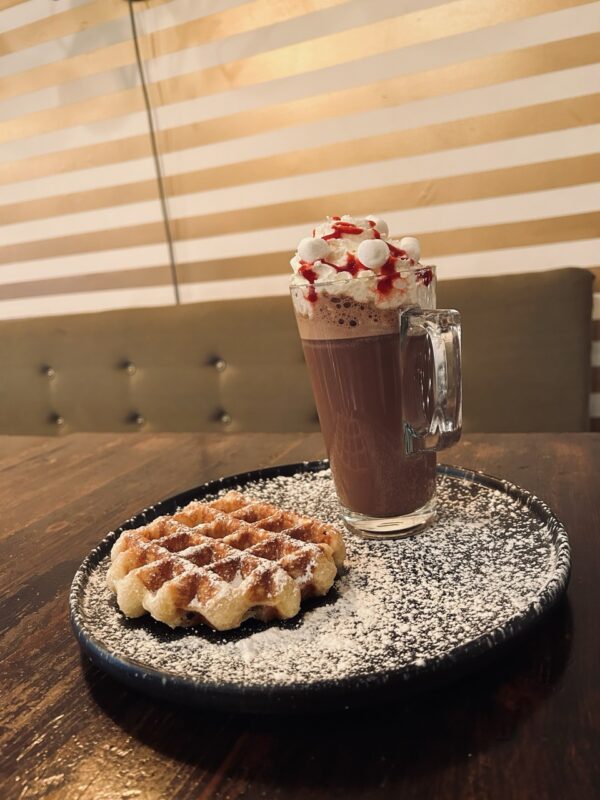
{"type": "Point", "coordinates": [363, 404]}
{"type": "Point", "coordinates": [385, 369]}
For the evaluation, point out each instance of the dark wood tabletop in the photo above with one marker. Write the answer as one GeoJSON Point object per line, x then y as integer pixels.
{"type": "Point", "coordinates": [525, 726]}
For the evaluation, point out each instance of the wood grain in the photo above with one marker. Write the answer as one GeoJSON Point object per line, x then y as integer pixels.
{"type": "Point", "coordinates": [528, 725]}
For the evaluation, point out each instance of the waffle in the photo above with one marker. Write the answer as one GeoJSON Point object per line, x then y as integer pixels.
{"type": "Point", "coordinates": [222, 562]}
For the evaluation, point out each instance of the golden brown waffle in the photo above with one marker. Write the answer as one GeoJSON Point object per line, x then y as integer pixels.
{"type": "Point", "coordinates": [223, 562]}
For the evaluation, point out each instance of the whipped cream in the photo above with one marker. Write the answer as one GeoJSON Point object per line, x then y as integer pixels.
{"type": "Point", "coordinates": [358, 259]}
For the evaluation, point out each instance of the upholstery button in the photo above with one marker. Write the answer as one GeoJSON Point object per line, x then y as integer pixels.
{"type": "Point", "coordinates": [220, 364]}
{"type": "Point", "coordinates": [129, 367]}
{"type": "Point", "coordinates": [225, 418]}
{"type": "Point", "coordinates": [49, 372]}
{"type": "Point", "coordinates": [139, 419]}
{"type": "Point", "coordinates": [57, 419]}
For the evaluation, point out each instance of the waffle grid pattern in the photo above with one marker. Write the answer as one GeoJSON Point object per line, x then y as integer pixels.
{"type": "Point", "coordinates": [223, 562]}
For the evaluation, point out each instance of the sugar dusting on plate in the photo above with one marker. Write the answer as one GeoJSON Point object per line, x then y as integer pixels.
{"type": "Point", "coordinates": [484, 563]}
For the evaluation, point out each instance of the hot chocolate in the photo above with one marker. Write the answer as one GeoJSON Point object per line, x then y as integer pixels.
{"type": "Point", "coordinates": [362, 402]}
{"type": "Point", "coordinates": [376, 353]}
{"type": "Point", "coordinates": [350, 336]}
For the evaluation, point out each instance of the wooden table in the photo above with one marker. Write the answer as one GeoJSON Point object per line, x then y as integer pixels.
{"type": "Point", "coordinates": [525, 727]}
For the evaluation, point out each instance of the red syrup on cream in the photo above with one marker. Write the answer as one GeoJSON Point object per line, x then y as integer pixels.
{"type": "Point", "coordinates": [306, 270]}
{"type": "Point", "coordinates": [352, 265]}
{"type": "Point", "coordinates": [396, 251]}
{"type": "Point", "coordinates": [308, 273]}
{"type": "Point", "coordinates": [388, 274]}
{"type": "Point", "coordinates": [425, 276]}
{"type": "Point", "coordinates": [342, 229]}
{"type": "Point", "coordinates": [374, 231]}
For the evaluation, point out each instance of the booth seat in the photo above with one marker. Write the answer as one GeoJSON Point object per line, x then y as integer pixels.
{"type": "Point", "coordinates": [238, 365]}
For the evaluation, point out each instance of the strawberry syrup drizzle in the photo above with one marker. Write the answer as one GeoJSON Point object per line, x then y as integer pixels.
{"type": "Point", "coordinates": [307, 272]}
{"type": "Point", "coordinates": [374, 231]}
{"type": "Point", "coordinates": [425, 276]}
{"type": "Point", "coordinates": [351, 265]}
{"type": "Point", "coordinates": [342, 229]}
{"type": "Point", "coordinates": [396, 251]}
{"type": "Point", "coordinates": [387, 275]}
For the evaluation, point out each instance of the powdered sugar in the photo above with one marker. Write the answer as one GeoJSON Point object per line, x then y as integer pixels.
{"type": "Point", "coordinates": [490, 559]}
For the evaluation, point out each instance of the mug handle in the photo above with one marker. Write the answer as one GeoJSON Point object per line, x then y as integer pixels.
{"type": "Point", "coordinates": [433, 416]}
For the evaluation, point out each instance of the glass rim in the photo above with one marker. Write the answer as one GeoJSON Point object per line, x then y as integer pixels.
{"type": "Point", "coordinates": [318, 284]}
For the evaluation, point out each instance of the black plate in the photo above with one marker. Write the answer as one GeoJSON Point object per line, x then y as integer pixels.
{"type": "Point", "coordinates": [404, 614]}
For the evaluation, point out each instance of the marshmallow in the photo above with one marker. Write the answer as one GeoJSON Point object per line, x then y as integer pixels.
{"type": "Point", "coordinates": [380, 225]}
{"type": "Point", "coordinates": [411, 247]}
{"type": "Point", "coordinates": [311, 250]}
{"type": "Point", "coordinates": [373, 253]}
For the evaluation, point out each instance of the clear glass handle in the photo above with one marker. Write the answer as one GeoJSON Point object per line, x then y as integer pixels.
{"type": "Point", "coordinates": [431, 378]}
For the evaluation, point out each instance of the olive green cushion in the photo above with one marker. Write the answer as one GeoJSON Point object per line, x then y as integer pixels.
{"type": "Point", "coordinates": [161, 364]}
{"type": "Point", "coordinates": [237, 365]}
{"type": "Point", "coordinates": [526, 349]}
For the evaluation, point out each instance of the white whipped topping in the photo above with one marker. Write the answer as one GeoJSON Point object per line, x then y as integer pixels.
{"type": "Point", "coordinates": [380, 270]}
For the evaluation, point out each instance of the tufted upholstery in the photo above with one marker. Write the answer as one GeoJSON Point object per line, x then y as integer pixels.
{"type": "Point", "coordinates": [238, 365]}
{"type": "Point", "coordinates": [187, 368]}
{"type": "Point", "coordinates": [526, 349]}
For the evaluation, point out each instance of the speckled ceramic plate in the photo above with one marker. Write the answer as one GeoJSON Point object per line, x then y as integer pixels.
{"type": "Point", "coordinates": [403, 613]}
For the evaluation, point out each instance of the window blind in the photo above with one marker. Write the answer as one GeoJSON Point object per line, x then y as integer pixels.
{"type": "Point", "coordinates": [471, 124]}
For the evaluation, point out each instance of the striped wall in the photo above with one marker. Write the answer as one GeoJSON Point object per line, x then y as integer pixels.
{"type": "Point", "coordinates": [472, 124]}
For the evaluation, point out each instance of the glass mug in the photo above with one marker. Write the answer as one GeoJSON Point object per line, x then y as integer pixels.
{"type": "Point", "coordinates": [387, 386]}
